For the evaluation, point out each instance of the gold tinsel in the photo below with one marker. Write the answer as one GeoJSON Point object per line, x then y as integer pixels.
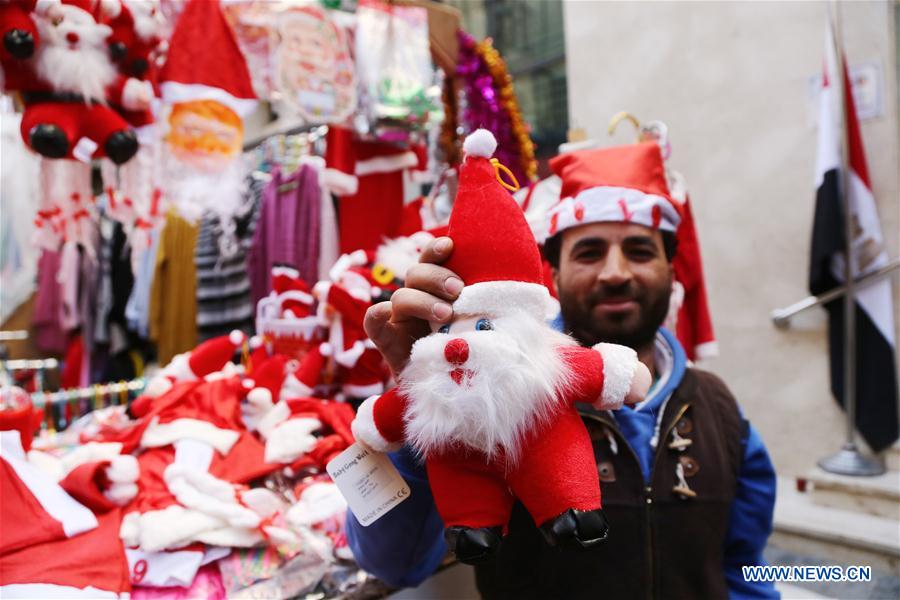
{"type": "Point", "coordinates": [504, 85]}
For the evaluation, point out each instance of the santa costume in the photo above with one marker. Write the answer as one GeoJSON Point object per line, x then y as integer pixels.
{"type": "Point", "coordinates": [489, 399]}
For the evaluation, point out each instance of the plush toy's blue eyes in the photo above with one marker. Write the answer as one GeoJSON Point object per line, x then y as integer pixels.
{"type": "Point", "coordinates": [484, 325]}
{"type": "Point", "coordinates": [444, 329]}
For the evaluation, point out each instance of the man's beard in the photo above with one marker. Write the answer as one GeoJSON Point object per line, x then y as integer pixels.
{"type": "Point", "coordinates": [86, 71]}
{"type": "Point", "coordinates": [634, 331]}
{"type": "Point", "coordinates": [511, 384]}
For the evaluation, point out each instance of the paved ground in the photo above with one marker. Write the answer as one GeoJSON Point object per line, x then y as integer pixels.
{"type": "Point", "coordinates": [884, 585]}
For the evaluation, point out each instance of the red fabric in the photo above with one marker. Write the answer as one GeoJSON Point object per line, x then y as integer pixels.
{"type": "Point", "coordinates": [86, 483]}
{"type": "Point", "coordinates": [23, 521]}
{"type": "Point", "coordinates": [388, 414]}
{"type": "Point", "coordinates": [70, 377]}
{"type": "Point", "coordinates": [270, 374]}
{"type": "Point", "coordinates": [203, 51]}
{"type": "Point", "coordinates": [411, 218]}
{"type": "Point", "coordinates": [26, 420]}
{"type": "Point", "coordinates": [482, 206]}
{"type": "Point", "coordinates": [694, 326]}
{"type": "Point", "coordinates": [310, 371]}
{"type": "Point", "coordinates": [96, 122]}
{"type": "Point", "coordinates": [15, 15]}
{"type": "Point", "coordinates": [211, 355]}
{"type": "Point", "coordinates": [373, 214]}
{"type": "Point", "coordinates": [635, 166]}
{"type": "Point", "coordinates": [95, 558]}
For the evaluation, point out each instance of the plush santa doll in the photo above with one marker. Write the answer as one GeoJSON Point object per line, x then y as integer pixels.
{"type": "Point", "coordinates": [488, 400]}
{"type": "Point", "coordinates": [67, 84]}
{"type": "Point", "coordinates": [212, 356]}
{"type": "Point", "coordinates": [298, 303]}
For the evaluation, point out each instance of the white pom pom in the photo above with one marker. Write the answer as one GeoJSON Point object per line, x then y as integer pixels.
{"type": "Point", "coordinates": [123, 469]}
{"type": "Point", "coordinates": [236, 337]}
{"type": "Point", "coordinates": [480, 142]}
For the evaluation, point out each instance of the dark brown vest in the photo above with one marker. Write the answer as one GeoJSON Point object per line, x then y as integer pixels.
{"type": "Point", "coordinates": [663, 543]}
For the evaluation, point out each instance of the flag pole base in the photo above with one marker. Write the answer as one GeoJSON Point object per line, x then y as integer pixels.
{"type": "Point", "coordinates": [849, 461]}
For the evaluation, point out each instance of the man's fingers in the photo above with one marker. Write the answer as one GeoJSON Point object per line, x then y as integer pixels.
{"type": "Point", "coordinates": [435, 280]}
{"type": "Point", "coordinates": [407, 303]}
{"type": "Point", "coordinates": [376, 318]}
{"type": "Point", "coordinates": [437, 251]}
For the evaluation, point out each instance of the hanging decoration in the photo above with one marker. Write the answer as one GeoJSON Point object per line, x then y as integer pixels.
{"type": "Point", "coordinates": [491, 104]}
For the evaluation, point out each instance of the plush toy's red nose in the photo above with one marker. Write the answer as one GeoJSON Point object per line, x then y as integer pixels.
{"type": "Point", "coordinates": [456, 351]}
{"type": "Point", "coordinates": [72, 37]}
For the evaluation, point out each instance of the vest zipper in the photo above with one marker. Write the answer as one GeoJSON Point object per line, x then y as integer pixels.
{"type": "Point", "coordinates": [648, 490]}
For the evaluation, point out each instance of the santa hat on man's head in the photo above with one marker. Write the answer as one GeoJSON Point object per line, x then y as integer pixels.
{"type": "Point", "coordinates": [204, 61]}
{"type": "Point", "coordinates": [494, 251]}
{"type": "Point", "coordinates": [621, 184]}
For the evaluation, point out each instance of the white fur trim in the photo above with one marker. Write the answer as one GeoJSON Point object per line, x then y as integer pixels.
{"type": "Point", "coordinates": [279, 413]}
{"type": "Point", "coordinates": [174, 92]}
{"type": "Point", "coordinates": [123, 469]}
{"type": "Point", "coordinates": [91, 452]}
{"type": "Point", "coordinates": [236, 337]}
{"type": "Point", "coordinates": [121, 494]}
{"type": "Point", "coordinates": [260, 398]}
{"type": "Point", "coordinates": [603, 203]}
{"type": "Point", "coordinates": [340, 183]}
{"type": "Point", "coordinates": [480, 142]}
{"type": "Point", "coordinates": [162, 434]}
{"type": "Point", "coordinates": [158, 386]}
{"type": "Point", "coordinates": [200, 491]}
{"type": "Point", "coordinates": [706, 350]}
{"type": "Point", "coordinates": [292, 439]}
{"type": "Point", "coordinates": [318, 502]}
{"type": "Point", "coordinates": [619, 366]}
{"type": "Point", "coordinates": [497, 298]}
{"type": "Point", "coordinates": [349, 357]}
{"type": "Point", "coordinates": [365, 430]}
{"type": "Point", "coordinates": [386, 164]}
{"type": "Point", "coordinates": [176, 526]}
{"type": "Point", "coordinates": [326, 349]}
{"type": "Point", "coordinates": [362, 391]}
{"type": "Point", "coordinates": [136, 94]}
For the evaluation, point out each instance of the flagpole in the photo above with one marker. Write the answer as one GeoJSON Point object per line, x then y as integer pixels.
{"type": "Point", "coordinates": [848, 460]}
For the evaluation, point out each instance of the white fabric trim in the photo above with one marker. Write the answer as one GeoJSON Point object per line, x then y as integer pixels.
{"type": "Point", "coordinates": [340, 183]}
{"type": "Point", "coordinates": [90, 452]}
{"type": "Point", "coordinates": [73, 516]}
{"type": "Point", "coordinates": [279, 413]}
{"type": "Point", "coordinates": [193, 453]}
{"type": "Point", "coordinates": [365, 430]}
{"type": "Point", "coordinates": [706, 350]}
{"type": "Point", "coordinates": [496, 298]}
{"type": "Point", "coordinates": [176, 526]}
{"type": "Point", "coordinates": [363, 391]}
{"type": "Point", "coordinates": [291, 439]}
{"type": "Point", "coordinates": [51, 590]}
{"type": "Point", "coordinates": [162, 434]}
{"type": "Point", "coordinates": [386, 164]}
{"type": "Point", "coordinates": [619, 366]}
{"type": "Point", "coordinates": [174, 91]}
{"type": "Point", "coordinates": [603, 203]}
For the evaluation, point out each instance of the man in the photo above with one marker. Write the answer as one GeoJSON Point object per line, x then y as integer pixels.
{"type": "Point", "coordinates": [688, 488]}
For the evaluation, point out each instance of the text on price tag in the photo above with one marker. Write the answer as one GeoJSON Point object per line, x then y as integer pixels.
{"type": "Point", "coordinates": [369, 482]}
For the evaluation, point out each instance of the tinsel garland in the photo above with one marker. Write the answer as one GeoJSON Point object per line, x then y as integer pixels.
{"type": "Point", "coordinates": [491, 103]}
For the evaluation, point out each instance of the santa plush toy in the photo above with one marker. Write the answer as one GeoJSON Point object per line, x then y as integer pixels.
{"type": "Point", "coordinates": [298, 301]}
{"type": "Point", "coordinates": [68, 84]}
{"type": "Point", "coordinates": [488, 400]}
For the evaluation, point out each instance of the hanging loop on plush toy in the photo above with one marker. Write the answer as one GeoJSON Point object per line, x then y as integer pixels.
{"type": "Point", "coordinates": [501, 168]}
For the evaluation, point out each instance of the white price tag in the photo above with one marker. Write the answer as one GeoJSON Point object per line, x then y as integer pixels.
{"type": "Point", "coordinates": [369, 482]}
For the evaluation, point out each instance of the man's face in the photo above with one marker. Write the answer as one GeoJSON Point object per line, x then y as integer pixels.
{"type": "Point", "coordinates": [613, 282]}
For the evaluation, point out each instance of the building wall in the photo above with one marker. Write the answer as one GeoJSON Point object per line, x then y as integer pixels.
{"type": "Point", "coordinates": [731, 80]}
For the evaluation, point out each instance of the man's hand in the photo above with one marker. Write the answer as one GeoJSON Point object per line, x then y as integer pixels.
{"type": "Point", "coordinates": [430, 289]}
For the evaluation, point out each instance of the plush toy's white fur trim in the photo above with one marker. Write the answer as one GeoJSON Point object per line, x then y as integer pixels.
{"type": "Point", "coordinates": [136, 94]}
{"type": "Point", "coordinates": [291, 439]}
{"type": "Point", "coordinates": [162, 434]}
{"type": "Point", "coordinates": [619, 365]}
{"type": "Point", "coordinates": [480, 142]}
{"type": "Point", "coordinates": [201, 491]}
{"type": "Point", "coordinates": [317, 502]}
{"type": "Point", "coordinates": [123, 469]}
{"type": "Point", "coordinates": [400, 253]}
{"type": "Point", "coordinates": [176, 526]}
{"type": "Point", "coordinates": [121, 494]}
{"type": "Point", "coordinates": [365, 430]}
{"type": "Point", "coordinates": [362, 391]}
{"type": "Point", "coordinates": [517, 375]}
{"type": "Point", "coordinates": [497, 298]}
{"type": "Point", "coordinates": [280, 412]}
{"type": "Point", "coordinates": [91, 452]}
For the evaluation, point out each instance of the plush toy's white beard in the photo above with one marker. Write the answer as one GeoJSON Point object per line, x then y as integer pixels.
{"type": "Point", "coordinates": [85, 70]}
{"type": "Point", "coordinates": [517, 373]}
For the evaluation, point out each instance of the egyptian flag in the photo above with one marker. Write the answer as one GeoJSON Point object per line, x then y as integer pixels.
{"type": "Point", "coordinates": [876, 375]}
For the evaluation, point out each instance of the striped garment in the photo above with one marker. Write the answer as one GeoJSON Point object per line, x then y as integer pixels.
{"type": "Point", "coordinates": [224, 302]}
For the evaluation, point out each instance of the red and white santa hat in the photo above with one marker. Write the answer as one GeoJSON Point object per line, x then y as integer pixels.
{"type": "Point", "coordinates": [494, 251]}
{"type": "Point", "coordinates": [212, 355]}
{"type": "Point", "coordinates": [204, 61]}
{"type": "Point", "coordinates": [623, 184]}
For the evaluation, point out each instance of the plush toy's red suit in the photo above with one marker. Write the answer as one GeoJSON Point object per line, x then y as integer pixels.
{"type": "Point", "coordinates": [489, 399]}
{"type": "Point", "coordinates": [67, 83]}
{"type": "Point", "coordinates": [20, 34]}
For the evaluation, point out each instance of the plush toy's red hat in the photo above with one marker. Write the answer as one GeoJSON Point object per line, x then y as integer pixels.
{"type": "Point", "coordinates": [494, 251]}
{"type": "Point", "coordinates": [623, 184]}
{"type": "Point", "coordinates": [211, 355]}
{"type": "Point", "coordinates": [204, 61]}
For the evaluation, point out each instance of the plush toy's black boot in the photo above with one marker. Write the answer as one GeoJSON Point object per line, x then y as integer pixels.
{"type": "Point", "coordinates": [48, 140]}
{"type": "Point", "coordinates": [473, 546]}
{"type": "Point", "coordinates": [19, 43]}
{"type": "Point", "coordinates": [584, 528]}
{"type": "Point", "coordinates": [121, 146]}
